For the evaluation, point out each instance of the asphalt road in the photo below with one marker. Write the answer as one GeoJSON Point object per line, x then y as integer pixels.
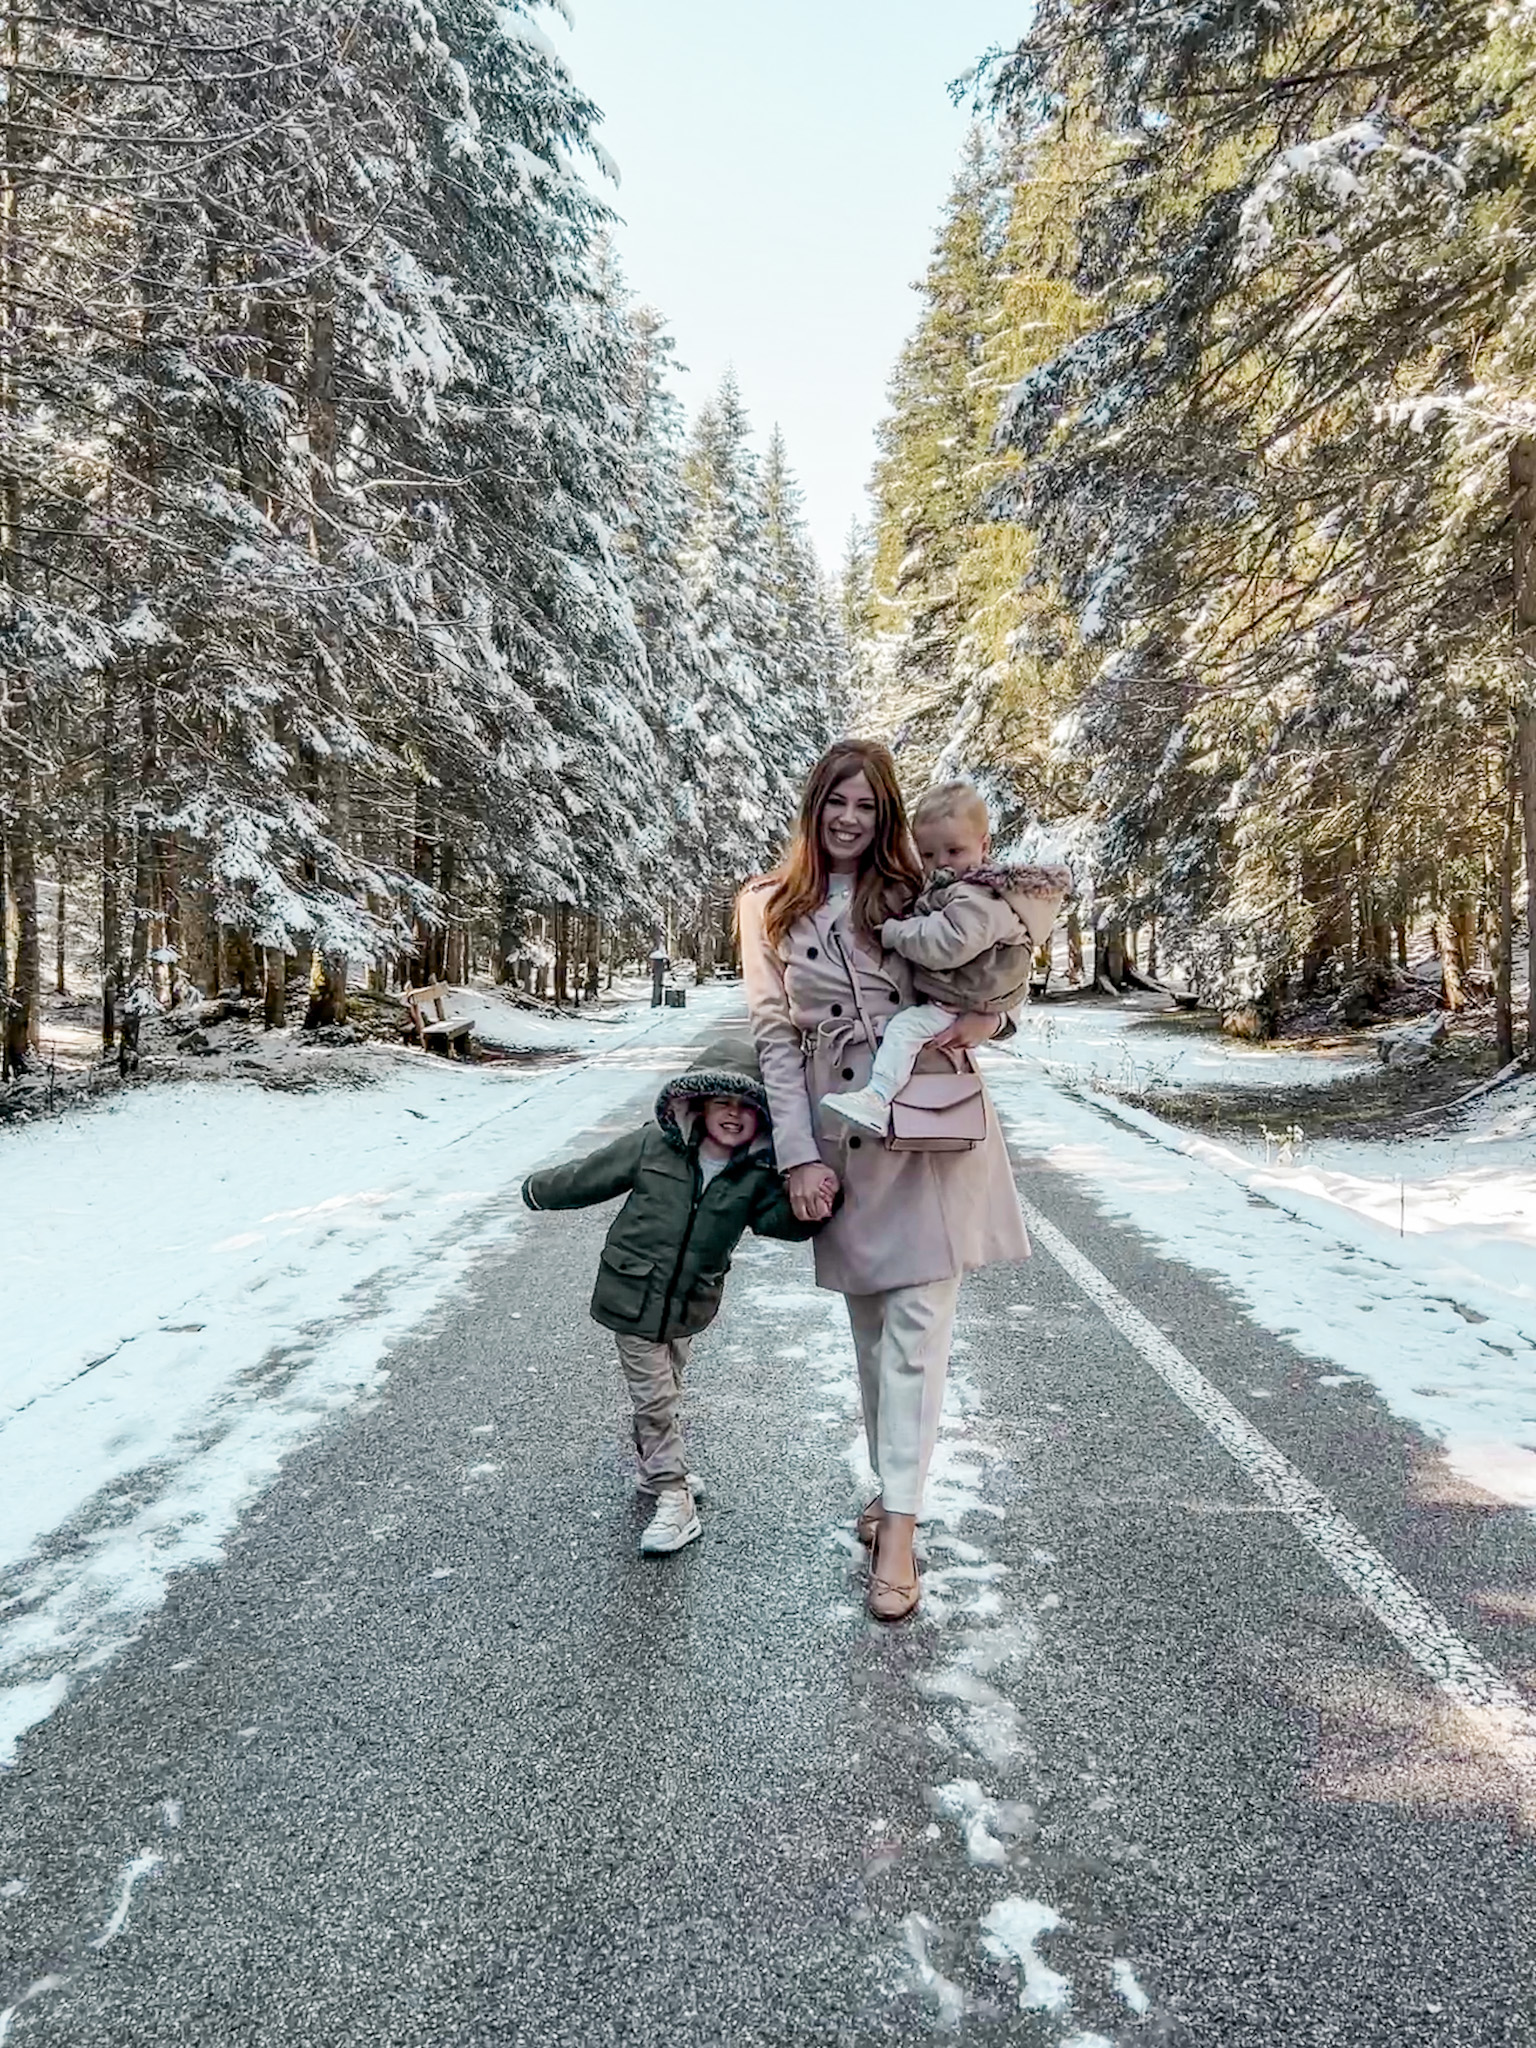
{"type": "Point", "coordinates": [435, 1757]}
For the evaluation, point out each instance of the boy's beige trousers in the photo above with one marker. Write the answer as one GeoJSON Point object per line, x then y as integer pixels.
{"type": "Point", "coordinates": [901, 1339]}
{"type": "Point", "coordinates": [654, 1373]}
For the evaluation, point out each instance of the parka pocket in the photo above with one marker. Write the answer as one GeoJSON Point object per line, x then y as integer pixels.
{"type": "Point", "coordinates": [624, 1283]}
{"type": "Point", "coordinates": [703, 1303]}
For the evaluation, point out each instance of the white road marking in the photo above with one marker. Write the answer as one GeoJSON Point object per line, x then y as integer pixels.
{"type": "Point", "coordinates": [1501, 1713]}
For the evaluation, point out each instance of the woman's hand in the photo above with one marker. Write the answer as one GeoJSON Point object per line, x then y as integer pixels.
{"type": "Point", "coordinates": [812, 1190]}
{"type": "Point", "coordinates": [975, 1028]}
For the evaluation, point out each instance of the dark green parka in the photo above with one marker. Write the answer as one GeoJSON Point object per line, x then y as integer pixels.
{"type": "Point", "coordinates": [664, 1265]}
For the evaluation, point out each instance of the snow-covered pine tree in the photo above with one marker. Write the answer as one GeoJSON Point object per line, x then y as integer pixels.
{"type": "Point", "coordinates": [685, 673]}
{"type": "Point", "coordinates": [726, 574]}
{"type": "Point", "coordinates": [1241, 474]}
{"type": "Point", "coordinates": [801, 657]}
{"type": "Point", "coordinates": [926, 484]}
{"type": "Point", "coordinates": [319, 573]}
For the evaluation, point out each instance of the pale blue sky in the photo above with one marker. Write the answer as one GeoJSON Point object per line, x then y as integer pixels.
{"type": "Point", "coordinates": [783, 168]}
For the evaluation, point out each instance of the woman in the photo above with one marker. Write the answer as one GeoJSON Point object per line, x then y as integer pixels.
{"type": "Point", "coordinates": [911, 1222]}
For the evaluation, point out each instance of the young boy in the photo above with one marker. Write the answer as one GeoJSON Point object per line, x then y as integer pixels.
{"type": "Point", "coordinates": [970, 938]}
{"type": "Point", "coordinates": [697, 1179]}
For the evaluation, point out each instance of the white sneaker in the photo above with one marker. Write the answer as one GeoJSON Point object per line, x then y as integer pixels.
{"type": "Point", "coordinates": [675, 1522]}
{"type": "Point", "coordinates": [862, 1106]}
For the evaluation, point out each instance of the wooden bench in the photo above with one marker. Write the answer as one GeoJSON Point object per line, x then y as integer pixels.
{"type": "Point", "coordinates": [434, 1027]}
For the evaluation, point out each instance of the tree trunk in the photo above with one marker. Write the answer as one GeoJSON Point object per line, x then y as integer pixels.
{"type": "Point", "coordinates": [60, 921]}
{"type": "Point", "coordinates": [1503, 984]}
{"type": "Point", "coordinates": [704, 943]}
{"type": "Point", "coordinates": [1525, 731]}
{"type": "Point", "coordinates": [1109, 953]}
{"type": "Point", "coordinates": [114, 968]}
{"type": "Point", "coordinates": [169, 867]}
{"type": "Point", "coordinates": [11, 1034]}
{"type": "Point", "coordinates": [594, 956]}
{"type": "Point", "coordinates": [1075, 945]}
{"type": "Point", "coordinates": [562, 954]}
{"type": "Point", "coordinates": [509, 932]}
{"type": "Point", "coordinates": [23, 1020]}
{"type": "Point", "coordinates": [327, 991]}
{"type": "Point", "coordinates": [274, 988]}
{"type": "Point", "coordinates": [145, 883]}
{"type": "Point", "coordinates": [244, 974]}
{"type": "Point", "coordinates": [5, 954]}
{"type": "Point", "coordinates": [1522, 479]}
{"type": "Point", "coordinates": [1458, 949]}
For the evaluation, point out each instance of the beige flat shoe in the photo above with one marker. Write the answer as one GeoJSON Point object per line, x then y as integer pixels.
{"type": "Point", "coordinates": [867, 1527]}
{"type": "Point", "coordinates": [893, 1599]}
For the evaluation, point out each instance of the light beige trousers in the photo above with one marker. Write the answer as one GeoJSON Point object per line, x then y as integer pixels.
{"type": "Point", "coordinates": [901, 1339]}
{"type": "Point", "coordinates": [654, 1375]}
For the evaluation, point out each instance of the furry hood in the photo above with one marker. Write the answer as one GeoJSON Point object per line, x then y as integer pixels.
{"type": "Point", "coordinates": [727, 1067]}
{"type": "Point", "coordinates": [1007, 881]}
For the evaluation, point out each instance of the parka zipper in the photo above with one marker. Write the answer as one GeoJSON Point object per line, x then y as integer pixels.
{"type": "Point", "coordinates": [682, 1250]}
{"type": "Point", "coordinates": [699, 1192]}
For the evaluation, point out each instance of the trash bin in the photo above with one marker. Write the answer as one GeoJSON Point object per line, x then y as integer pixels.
{"type": "Point", "coordinates": [677, 999]}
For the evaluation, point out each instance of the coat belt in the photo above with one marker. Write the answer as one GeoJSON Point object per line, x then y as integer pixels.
{"type": "Point", "coordinates": [832, 1037]}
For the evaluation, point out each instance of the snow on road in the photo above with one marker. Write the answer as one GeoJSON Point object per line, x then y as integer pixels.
{"type": "Point", "coordinates": [195, 1277]}
{"type": "Point", "coordinates": [1408, 1264]}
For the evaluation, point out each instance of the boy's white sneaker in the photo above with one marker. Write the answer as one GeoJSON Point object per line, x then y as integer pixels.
{"type": "Point", "coordinates": [861, 1106]}
{"type": "Point", "coordinates": [675, 1522]}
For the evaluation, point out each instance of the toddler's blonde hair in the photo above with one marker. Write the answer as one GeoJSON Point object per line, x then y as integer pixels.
{"type": "Point", "coordinates": [952, 800]}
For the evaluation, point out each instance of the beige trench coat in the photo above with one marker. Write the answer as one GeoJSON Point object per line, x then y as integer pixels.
{"type": "Point", "coordinates": [907, 1217]}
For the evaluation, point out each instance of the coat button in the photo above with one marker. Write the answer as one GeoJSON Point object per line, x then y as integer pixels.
{"type": "Point", "coordinates": [837, 1009]}
{"type": "Point", "coordinates": [854, 1144]}
{"type": "Point", "coordinates": [812, 953]}
{"type": "Point", "coordinates": [847, 1073]}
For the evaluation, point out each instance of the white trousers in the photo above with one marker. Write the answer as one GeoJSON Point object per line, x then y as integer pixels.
{"type": "Point", "coordinates": [905, 1036]}
{"type": "Point", "coordinates": [901, 1339]}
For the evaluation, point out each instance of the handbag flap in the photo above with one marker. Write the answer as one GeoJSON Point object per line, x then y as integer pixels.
{"type": "Point", "coordinates": [939, 1092]}
{"type": "Point", "coordinates": [939, 1112]}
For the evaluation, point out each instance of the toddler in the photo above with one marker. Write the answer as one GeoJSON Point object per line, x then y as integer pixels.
{"type": "Point", "coordinates": [970, 937]}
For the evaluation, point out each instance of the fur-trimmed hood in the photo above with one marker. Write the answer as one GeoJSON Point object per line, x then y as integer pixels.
{"type": "Point", "coordinates": [727, 1067]}
{"type": "Point", "coordinates": [1025, 880]}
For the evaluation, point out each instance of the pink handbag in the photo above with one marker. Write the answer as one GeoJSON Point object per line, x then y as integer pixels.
{"type": "Point", "coordinates": [933, 1112]}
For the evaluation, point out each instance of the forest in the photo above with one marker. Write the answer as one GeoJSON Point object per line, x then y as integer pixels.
{"type": "Point", "coordinates": [367, 607]}
{"type": "Point", "coordinates": [1206, 504]}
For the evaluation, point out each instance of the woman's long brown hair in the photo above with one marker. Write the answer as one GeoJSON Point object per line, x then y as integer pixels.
{"type": "Point", "coordinates": [889, 874]}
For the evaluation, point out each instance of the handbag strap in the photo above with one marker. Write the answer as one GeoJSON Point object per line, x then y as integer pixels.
{"type": "Point", "coordinates": [851, 969]}
{"type": "Point", "coordinates": [959, 1058]}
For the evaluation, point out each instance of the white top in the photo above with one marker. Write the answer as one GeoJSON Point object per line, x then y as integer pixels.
{"type": "Point", "coordinates": [710, 1169]}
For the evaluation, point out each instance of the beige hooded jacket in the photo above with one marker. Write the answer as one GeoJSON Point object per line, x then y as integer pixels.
{"type": "Point", "coordinates": [970, 938]}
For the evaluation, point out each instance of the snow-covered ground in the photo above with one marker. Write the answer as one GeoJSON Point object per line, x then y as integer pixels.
{"type": "Point", "coordinates": [1136, 1044]}
{"type": "Point", "coordinates": [194, 1276]}
{"type": "Point", "coordinates": [1409, 1263]}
